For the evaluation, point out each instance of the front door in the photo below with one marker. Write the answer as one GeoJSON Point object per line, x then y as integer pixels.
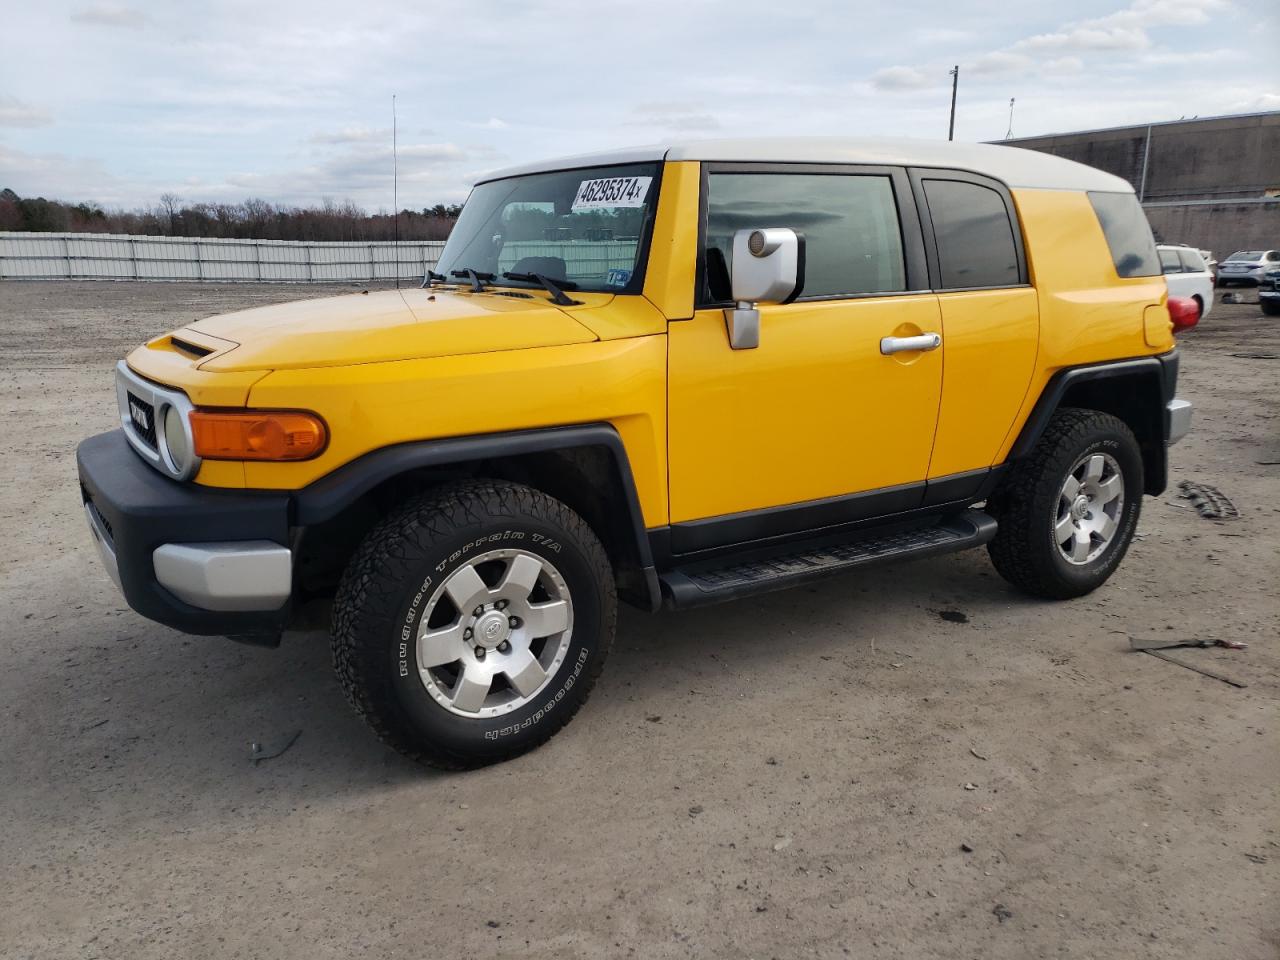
{"type": "Point", "coordinates": [785, 434]}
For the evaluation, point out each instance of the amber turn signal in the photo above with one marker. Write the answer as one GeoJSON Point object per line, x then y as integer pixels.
{"type": "Point", "coordinates": [257, 434]}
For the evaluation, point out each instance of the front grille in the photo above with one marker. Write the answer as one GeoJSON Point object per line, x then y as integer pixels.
{"type": "Point", "coordinates": [143, 416]}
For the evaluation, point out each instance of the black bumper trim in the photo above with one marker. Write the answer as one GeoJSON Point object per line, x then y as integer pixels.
{"type": "Point", "coordinates": [143, 510]}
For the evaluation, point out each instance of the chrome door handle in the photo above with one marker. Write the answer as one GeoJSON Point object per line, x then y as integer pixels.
{"type": "Point", "coordinates": [926, 341]}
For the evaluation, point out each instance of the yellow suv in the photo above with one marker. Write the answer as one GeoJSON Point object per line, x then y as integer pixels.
{"type": "Point", "coordinates": [675, 375]}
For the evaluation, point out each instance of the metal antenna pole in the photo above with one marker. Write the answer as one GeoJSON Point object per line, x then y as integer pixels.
{"type": "Point", "coordinates": [395, 187]}
{"type": "Point", "coordinates": [955, 82]}
{"type": "Point", "coordinates": [1009, 133]}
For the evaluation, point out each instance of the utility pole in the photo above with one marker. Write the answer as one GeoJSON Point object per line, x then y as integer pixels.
{"type": "Point", "coordinates": [955, 82]}
{"type": "Point", "coordinates": [1009, 133]}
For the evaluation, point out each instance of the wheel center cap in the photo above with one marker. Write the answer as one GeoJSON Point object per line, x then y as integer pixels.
{"type": "Point", "coordinates": [1080, 507]}
{"type": "Point", "coordinates": [491, 629]}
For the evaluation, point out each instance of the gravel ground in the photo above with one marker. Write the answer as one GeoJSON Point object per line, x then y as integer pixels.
{"type": "Point", "coordinates": [910, 762]}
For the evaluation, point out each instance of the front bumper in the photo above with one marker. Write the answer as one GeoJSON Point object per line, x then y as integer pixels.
{"type": "Point", "coordinates": [201, 560]}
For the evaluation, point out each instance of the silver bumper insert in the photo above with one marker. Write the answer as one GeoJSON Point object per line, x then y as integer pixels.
{"type": "Point", "coordinates": [102, 540]}
{"type": "Point", "coordinates": [1178, 414]}
{"type": "Point", "coordinates": [242, 575]}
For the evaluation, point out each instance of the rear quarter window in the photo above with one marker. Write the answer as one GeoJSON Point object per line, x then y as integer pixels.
{"type": "Point", "coordinates": [1133, 249]}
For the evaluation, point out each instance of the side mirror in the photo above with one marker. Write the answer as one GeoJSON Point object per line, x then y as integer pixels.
{"type": "Point", "coordinates": [767, 267]}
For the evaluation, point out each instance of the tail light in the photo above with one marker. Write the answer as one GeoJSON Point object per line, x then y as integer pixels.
{"type": "Point", "coordinates": [1184, 312]}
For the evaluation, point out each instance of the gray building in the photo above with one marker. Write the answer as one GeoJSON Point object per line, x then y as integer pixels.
{"type": "Point", "coordinates": [1213, 183]}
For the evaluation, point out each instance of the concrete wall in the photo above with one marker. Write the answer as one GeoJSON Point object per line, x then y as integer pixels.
{"type": "Point", "coordinates": [1192, 167]}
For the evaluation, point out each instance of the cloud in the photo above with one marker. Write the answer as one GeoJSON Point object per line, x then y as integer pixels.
{"type": "Point", "coordinates": [943, 35]}
{"type": "Point", "coordinates": [493, 123]}
{"type": "Point", "coordinates": [352, 135]}
{"type": "Point", "coordinates": [1001, 61]}
{"type": "Point", "coordinates": [1062, 66]}
{"type": "Point", "coordinates": [673, 115]}
{"type": "Point", "coordinates": [110, 15]}
{"type": "Point", "coordinates": [55, 175]}
{"type": "Point", "coordinates": [15, 113]}
{"type": "Point", "coordinates": [901, 78]}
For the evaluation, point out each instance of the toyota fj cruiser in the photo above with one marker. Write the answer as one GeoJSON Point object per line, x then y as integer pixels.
{"type": "Point", "coordinates": [672, 375]}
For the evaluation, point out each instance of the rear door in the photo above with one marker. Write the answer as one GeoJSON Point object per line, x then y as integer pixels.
{"type": "Point", "coordinates": [990, 322]}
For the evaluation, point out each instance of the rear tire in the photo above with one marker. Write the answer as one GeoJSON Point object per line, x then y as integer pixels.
{"type": "Point", "coordinates": [1068, 511]}
{"type": "Point", "coordinates": [1270, 307]}
{"type": "Point", "coordinates": [472, 622]}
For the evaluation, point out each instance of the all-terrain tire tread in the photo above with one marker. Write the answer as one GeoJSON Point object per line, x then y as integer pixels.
{"type": "Point", "coordinates": [1013, 551]}
{"type": "Point", "coordinates": [367, 602]}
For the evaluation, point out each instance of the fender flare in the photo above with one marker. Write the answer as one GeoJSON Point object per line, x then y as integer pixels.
{"type": "Point", "coordinates": [1160, 371]}
{"type": "Point", "coordinates": [325, 498]}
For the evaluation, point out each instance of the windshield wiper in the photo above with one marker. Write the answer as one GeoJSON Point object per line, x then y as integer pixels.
{"type": "Point", "coordinates": [431, 278]}
{"type": "Point", "coordinates": [478, 279]}
{"type": "Point", "coordinates": [554, 287]}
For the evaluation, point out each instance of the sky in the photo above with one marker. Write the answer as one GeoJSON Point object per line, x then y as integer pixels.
{"type": "Point", "coordinates": [119, 103]}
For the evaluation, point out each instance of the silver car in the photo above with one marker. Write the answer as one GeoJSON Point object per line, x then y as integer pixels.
{"type": "Point", "coordinates": [1247, 267]}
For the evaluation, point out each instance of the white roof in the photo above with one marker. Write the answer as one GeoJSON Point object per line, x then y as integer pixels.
{"type": "Point", "coordinates": [1014, 166]}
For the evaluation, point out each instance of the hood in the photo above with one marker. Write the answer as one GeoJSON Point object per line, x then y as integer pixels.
{"type": "Point", "coordinates": [390, 325]}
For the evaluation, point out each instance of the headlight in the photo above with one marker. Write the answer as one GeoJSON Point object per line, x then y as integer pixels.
{"type": "Point", "coordinates": [175, 439]}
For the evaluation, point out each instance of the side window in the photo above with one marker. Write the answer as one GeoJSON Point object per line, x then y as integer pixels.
{"type": "Point", "coordinates": [1133, 250]}
{"type": "Point", "coordinates": [1273, 256]}
{"type": "Point", "coordinates": [1169, 262]}
{"type": "Point", "coordinates": [974, 234]}
{"type": "Point", "coordinates": [1192, 262]}
{"type": "Point", "coordinates": [853, 240]}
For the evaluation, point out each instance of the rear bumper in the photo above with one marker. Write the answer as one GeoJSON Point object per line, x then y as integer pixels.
{"type": "Point", "coordinates": [204, 561]}
{"type": "Point", "coordinates": [1177, 420]}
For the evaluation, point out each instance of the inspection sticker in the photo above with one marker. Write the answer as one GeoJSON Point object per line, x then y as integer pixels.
{"type": "Point", "coordinates": [612, 192]}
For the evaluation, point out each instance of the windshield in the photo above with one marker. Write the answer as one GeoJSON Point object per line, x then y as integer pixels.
{"type": "Point", "coordinates": [1246, 255]}
{"type": "Point", "coordinates": [589, 227]}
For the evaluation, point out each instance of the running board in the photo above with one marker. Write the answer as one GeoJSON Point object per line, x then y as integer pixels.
{"type": "Point", "coordinates": [704, 583]}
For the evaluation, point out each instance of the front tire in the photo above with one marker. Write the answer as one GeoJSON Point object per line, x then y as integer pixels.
{"type": "Point", "coordinates": [1067, 513]}
{"type": "Point", "coordinates": [472, 622]}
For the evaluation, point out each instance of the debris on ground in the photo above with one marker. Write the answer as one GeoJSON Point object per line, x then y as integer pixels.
{"type": "Point", "coordinates": [1210, 502]}
{"type": "Point", "coordinates": [1001, 912]}
{"type": "Point", "coordinates": [1156, 650]}
{"type": "Point", "coordinates": [1257, 857]}
{"type": "Point", "coordinates": [1257, 356]}
{"type": "Point", "coordinates": [782, 844]}
{"type": "Point", "coordinates": [1174, 644]}
{"type": "Point", "coordinates": [966, 848]}
{"type": "Point", "coordinates": [976, 754]}
{"type": "Point", "coordinates": [971, 786]}
{"type": "Point", "coordinates": [953, 616]}
{"type": "Point", "coordinates": [269, 751]}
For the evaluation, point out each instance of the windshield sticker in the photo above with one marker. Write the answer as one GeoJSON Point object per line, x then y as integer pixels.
{"type": "Point", "coordinates": [611, 193]}
{"type": "Point", "coordinates": [619, 278]}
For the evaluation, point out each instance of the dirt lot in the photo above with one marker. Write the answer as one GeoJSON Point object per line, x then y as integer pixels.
{"type": "Point", "coordinates": [912, 762]}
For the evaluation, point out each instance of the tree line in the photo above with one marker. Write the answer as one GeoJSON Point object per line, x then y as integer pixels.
{"type": "Point", "coordinates": [250, 220]}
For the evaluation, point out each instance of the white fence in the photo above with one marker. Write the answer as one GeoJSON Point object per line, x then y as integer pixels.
{"type": "Point", "coordinates": [95, 256]}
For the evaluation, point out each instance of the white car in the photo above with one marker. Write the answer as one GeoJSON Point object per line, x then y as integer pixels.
{"type": "Point", "coordinates": [1247, 266]}
{"type": "Point", "coordinates": [1187, 275]}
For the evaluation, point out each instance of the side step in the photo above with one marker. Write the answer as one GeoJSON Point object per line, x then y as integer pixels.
{"type": "Point", "coordinates": [705, 583]}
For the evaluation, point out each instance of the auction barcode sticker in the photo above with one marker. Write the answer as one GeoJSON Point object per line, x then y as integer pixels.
{"type": "Point", "coordinates": [612, 192]}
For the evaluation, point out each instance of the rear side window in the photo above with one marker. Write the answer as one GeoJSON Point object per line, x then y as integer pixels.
{"type": "Point", "coordinates": [853, 240]}
{"type": "Point", "coordinates": [1192, 262]}
{"type": "Point", "coordinates": [1133, 250]}
{"type": "Point", "coordinates": [1169, 262]}
{"type": "Point", "coordinates": [974, 235]}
